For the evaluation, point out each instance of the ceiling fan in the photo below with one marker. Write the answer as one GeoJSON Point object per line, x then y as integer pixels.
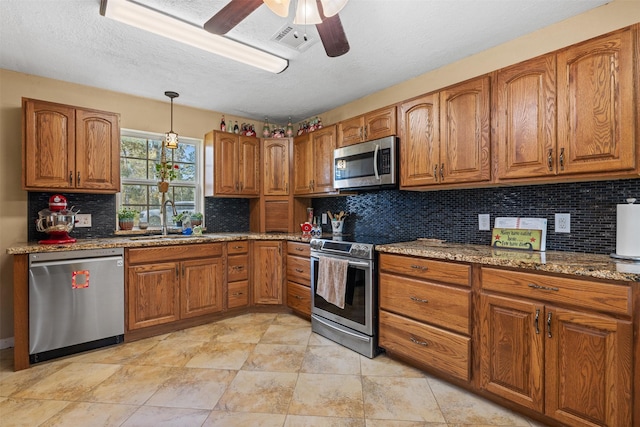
{"type": "Point", "coordinates": [327, 21]}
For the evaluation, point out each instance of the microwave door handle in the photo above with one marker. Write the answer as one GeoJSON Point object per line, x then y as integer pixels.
{"type": "Point", "coordinates": [375, 161]}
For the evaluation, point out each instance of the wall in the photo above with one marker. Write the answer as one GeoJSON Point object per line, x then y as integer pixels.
{"type": "Point", "coordinates": [148, 115]}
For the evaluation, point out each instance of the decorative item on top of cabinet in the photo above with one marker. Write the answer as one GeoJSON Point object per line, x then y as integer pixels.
{"type": "Point", "coordinates": [373, 125]}
{"type": "Point", "coordinates": [238, 274]}
{"type": "Point", "coordinates": [313, 162]}
{"type": "Point", "coordinates": [268, 269]}
{"type": "Point", "coordinates": [425, 312]}
{"type": "Point", "coordinates": [69, 148]}
{"type": "Point", "coordinates": [299, 278]}
{"type": "Point", "coordinates": [445, 137]}
{"type": "Point", "coordinates": [232, 165]}
{"type": "Point", "coordinates": [559, 346]}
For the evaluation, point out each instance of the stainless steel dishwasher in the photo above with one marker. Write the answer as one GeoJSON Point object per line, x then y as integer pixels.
{"type": "Point", "coordinates": [76, 301]}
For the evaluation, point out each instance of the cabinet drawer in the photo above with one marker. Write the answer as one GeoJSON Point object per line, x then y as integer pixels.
{"type": "Point", "coordinates": [576, 292]}
{"type": "Point", "coordinates": [427, 269]}
{"type": "Point", "coordinates": [237, 267]}
{"type": "Point", "coordinates": [173, 253]}
{"type": "Point", "coordinates": [239, 247]}
{"type": "Point", "coordinates": [238, 294]}
{"type": "Point", "coordinates": [299, 269]}
{"type": "Point", "coordinates": [299, 298]}
{"type": "Point", "coordinates": [431, 346]}
{"type": "Point", "coordinates": [436, 304]}
{"type": "Point", "coordinates": [298, 249]}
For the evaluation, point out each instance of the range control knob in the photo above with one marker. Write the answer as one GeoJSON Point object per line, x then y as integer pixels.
{"type": "Point", "coordinates": [360, 251]}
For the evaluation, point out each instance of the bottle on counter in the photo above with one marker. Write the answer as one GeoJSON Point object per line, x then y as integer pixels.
{"type": "Point", "coordinates": [223, 125]}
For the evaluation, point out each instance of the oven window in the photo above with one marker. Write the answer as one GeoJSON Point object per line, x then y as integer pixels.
{"type": "Point", "coordinates": [354, 300]}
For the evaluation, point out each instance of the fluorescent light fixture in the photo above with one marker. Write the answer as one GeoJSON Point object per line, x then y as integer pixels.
{"type": "Point", "coordinates": [163, 25]}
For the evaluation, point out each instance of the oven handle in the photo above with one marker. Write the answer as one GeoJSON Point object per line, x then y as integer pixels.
{"type": "Point", "coordinates": [352, 263]}
{"type": "Point", "coordinates": [361, 338]}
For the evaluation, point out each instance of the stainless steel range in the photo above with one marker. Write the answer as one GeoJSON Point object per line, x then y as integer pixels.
{"type": "Point", "coordinates": [356, 325]}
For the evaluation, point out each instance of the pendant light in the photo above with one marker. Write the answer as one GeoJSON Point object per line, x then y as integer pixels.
{"type": "Point", "coordinates": [171, 138]}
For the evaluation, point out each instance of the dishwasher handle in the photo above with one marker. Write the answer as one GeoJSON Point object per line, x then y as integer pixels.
{"type": "Point", "coordinates": [75, 261]}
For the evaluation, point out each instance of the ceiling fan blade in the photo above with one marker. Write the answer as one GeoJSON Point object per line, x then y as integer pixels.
{"type": "Point", "coordinates": [332, 35]}
{"type": "Point", "coordinates": [231, 15]}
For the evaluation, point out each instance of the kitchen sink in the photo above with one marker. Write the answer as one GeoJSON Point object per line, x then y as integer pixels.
{"type": "Point", "coordinates": [168, 236]}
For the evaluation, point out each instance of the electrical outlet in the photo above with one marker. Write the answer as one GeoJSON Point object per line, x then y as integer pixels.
{"type": "Point", "coordinates": [324, 218]}
{"type": "Point", "coordinates": [484, 222]}
{"type": "Point", "coordinates": [83, 220]}
{"type": "Point", "coordinates": [563, 223]}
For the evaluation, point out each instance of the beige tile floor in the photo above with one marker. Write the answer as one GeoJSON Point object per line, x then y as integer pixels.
{"type": "Point", "coordinates": [253, 370]}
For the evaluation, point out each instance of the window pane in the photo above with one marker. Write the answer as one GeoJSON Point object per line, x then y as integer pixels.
{"type": "Point", "coordinates": [185, 153]}
{"type": "Point", "coordinates": [187, 172]}
{"type": "Point", "coordinates": [133, 147]}
{"type": "Point", "coordinates": [134, 195]}
{"type": "Point", "coordinates": [133, 168]}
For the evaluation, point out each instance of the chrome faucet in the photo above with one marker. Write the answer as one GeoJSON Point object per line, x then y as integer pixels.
{"type": "Point", "coordinates": [163, 213]}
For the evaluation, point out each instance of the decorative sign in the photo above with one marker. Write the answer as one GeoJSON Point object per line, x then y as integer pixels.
{"type": "Point", "coordinates": [516, 238]}
{"type": "Point", "coordinates": [80, 279]}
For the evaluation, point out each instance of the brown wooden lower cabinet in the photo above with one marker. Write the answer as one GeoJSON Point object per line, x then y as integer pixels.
{"type": "Point", "coordinates": [570, 363]}
{"type": "Point", "coordinates": [238, 266]}
{"type": "Point", "coordinates": [268, 272]}
{"type": "Point", "coordinates": [299, 278]}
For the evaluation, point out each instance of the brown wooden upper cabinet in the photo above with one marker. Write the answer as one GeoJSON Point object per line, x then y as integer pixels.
{"type": "Point", "coordinates": [313, 162]}
{"type": "Point", "coordinates": [231, 165]}
{"type": "Point", "coordinates": [373, 125]}
{"type": "Point", "coordinates": [588, 90]}
{"type": "Point", "coordinates": [69, 148]}
{"type": "Point", "coordinates": [445, 136]}
{"type": "Point", "coordinates": [275, 166]}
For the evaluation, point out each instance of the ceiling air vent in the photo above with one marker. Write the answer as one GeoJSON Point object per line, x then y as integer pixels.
{"type": "Point", "coordinates": [293, 38]}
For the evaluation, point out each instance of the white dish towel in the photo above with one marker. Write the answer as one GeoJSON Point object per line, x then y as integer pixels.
{"type": "Point", "coordinates": [332, 279]}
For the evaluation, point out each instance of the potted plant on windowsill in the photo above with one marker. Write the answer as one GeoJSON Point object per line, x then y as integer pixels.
{"type": "Point", "coordinates": [178, 218]}
{"type": "Point", "coordinates": [166, 172]}
{"type": "Point", "coordinates": [126, 217]}
{"type": "Point", "coordinates": [196, 219]}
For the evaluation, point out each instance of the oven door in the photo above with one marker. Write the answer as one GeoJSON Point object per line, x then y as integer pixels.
{"type": "Point", "coordinates": [360, 297]}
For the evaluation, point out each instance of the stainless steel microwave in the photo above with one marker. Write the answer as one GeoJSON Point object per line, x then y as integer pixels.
{"type": "Point", "coordinates": [367, 165]}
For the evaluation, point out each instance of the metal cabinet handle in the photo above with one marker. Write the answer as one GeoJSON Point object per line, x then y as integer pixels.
{"type": "Point", "coordinates": [297, 297]}
{"type": "Point", "coordinates": [237, 294]}
{"type": "Point", "coordinates": [442, 172]}
{"type": "Point", "coordinates": [419, 267]}
{"type": "Point", "coordinates": [70, 177]}
{"type": "Point", "coordinates": [562, 159]}
{"type": "Point", "coordinates": [78, 180]}
{"type": "Point", "coordinates": [535, 321]}
{"type": "Point", "coordinates": [238, 247]}
{"type": "Point", "coordinates": [299, 249]}
{"type": "Point", "coordinates": [435, 172]}
{"type": "Point", "coordinates": [415, 341]}
{"type": "Point", "coordinates": [544, 288]}
{"type": "Point", "coordinates": [549, 325]}
{"type": "Point", "coordinates": [299, 270]}
{"type": "Point", "coordinates": [416, 299]}
{"type": "Point", "coordinates": [550, 160]}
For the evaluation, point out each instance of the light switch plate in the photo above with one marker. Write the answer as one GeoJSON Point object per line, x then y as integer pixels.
{"type": "Point", "coordinates": [83, 220]}
{"type": "Point", "coordinates": [324, 218]}
{"type": "Point", "coordinates": [563, 223]}
{"type": "Point", "coordinates": [484, 222]}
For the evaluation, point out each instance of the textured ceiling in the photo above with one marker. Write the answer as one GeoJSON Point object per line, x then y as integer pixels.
{"type": "Point", "coordinates": [391, 41]}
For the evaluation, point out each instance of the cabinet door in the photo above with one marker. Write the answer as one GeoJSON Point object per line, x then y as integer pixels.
{"type": "Point", "coordinates": [275, 165]}
{"type": "Point", "coordinates": [420, 141]}
{"type": "Point", "coordinates": [588, 369]}
{"type": "Point", "coordinates": [511, 350]}
{"type": "Point", "coordinates": [351, 131]}
{"type": "Point", "coordinates": [324, 142]}
{"type": "Point", "coordinates": [267, 272]}
{"type": "Point", "coordinates": [249, 166]}
{"type": "Point", "coordinates": [302, 164]}
{"type": "Point", "coordinates": [49, 145]}
{"type": "Point", "coordinates": [153, 294]}
{"type": "Point", "coordinates": [225, 163]}
{"type": "Point", "coordinates": [464, 132]}
{"type": "Point", "coordinates": [380, 123]}
{"type": "Point", "coordinates": [595, 96]}
{"type": "Point", "coordinates": [201, 287]}
{"type": "Point", "coordinates": [97, 164]}
{"type": "Point", "coordinates": [525, 119]}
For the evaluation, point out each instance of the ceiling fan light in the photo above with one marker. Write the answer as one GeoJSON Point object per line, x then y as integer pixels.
{"type": "Point", "coordinates": [279, 7]}
{"type": "Point", "coordinates": [307, 13]}
{"type": "Point", "coordinates": [332, 7]}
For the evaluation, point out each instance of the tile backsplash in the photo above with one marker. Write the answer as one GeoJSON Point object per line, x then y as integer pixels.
{"type": "Point", "coordinates": [451, 215]}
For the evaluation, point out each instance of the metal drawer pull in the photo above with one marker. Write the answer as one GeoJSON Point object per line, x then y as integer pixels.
{"type": "Point", "coordinates": [549, 325]}
{"type": "Point", "coordinates": [237, 294]}
{"type": "Point", "coordinates": [416, 299]}
{"type": "Point", "coordinates": [535, 321]}
{"type": "Point", "coordinates": [299, 270]}
{"type": "Point", "coordinates": [238, 247]}
{"type": "Point", "coordinates": [298, 297]}
{"type": "Point", "coordinates": [299, 249]}
{"type": "Point", "coordinates": [544, 288]}
{"type": "Point", "coordinates": [419, 267]}
{"type": "Point", "coordinates": [415, 341]}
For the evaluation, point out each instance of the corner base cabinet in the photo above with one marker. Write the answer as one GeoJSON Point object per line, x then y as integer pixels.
{"type": "Point", "coordinates": [559, 346]}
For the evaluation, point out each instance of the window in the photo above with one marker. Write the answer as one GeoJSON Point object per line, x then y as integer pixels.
{"type": "Point", "coordinates": [139, 154]}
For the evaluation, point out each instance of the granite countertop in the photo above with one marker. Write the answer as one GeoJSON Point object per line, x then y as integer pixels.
{"type": "Point", "coordinates": [574, 263]}
{"type": "Point", "coordinates": [144, 241]}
